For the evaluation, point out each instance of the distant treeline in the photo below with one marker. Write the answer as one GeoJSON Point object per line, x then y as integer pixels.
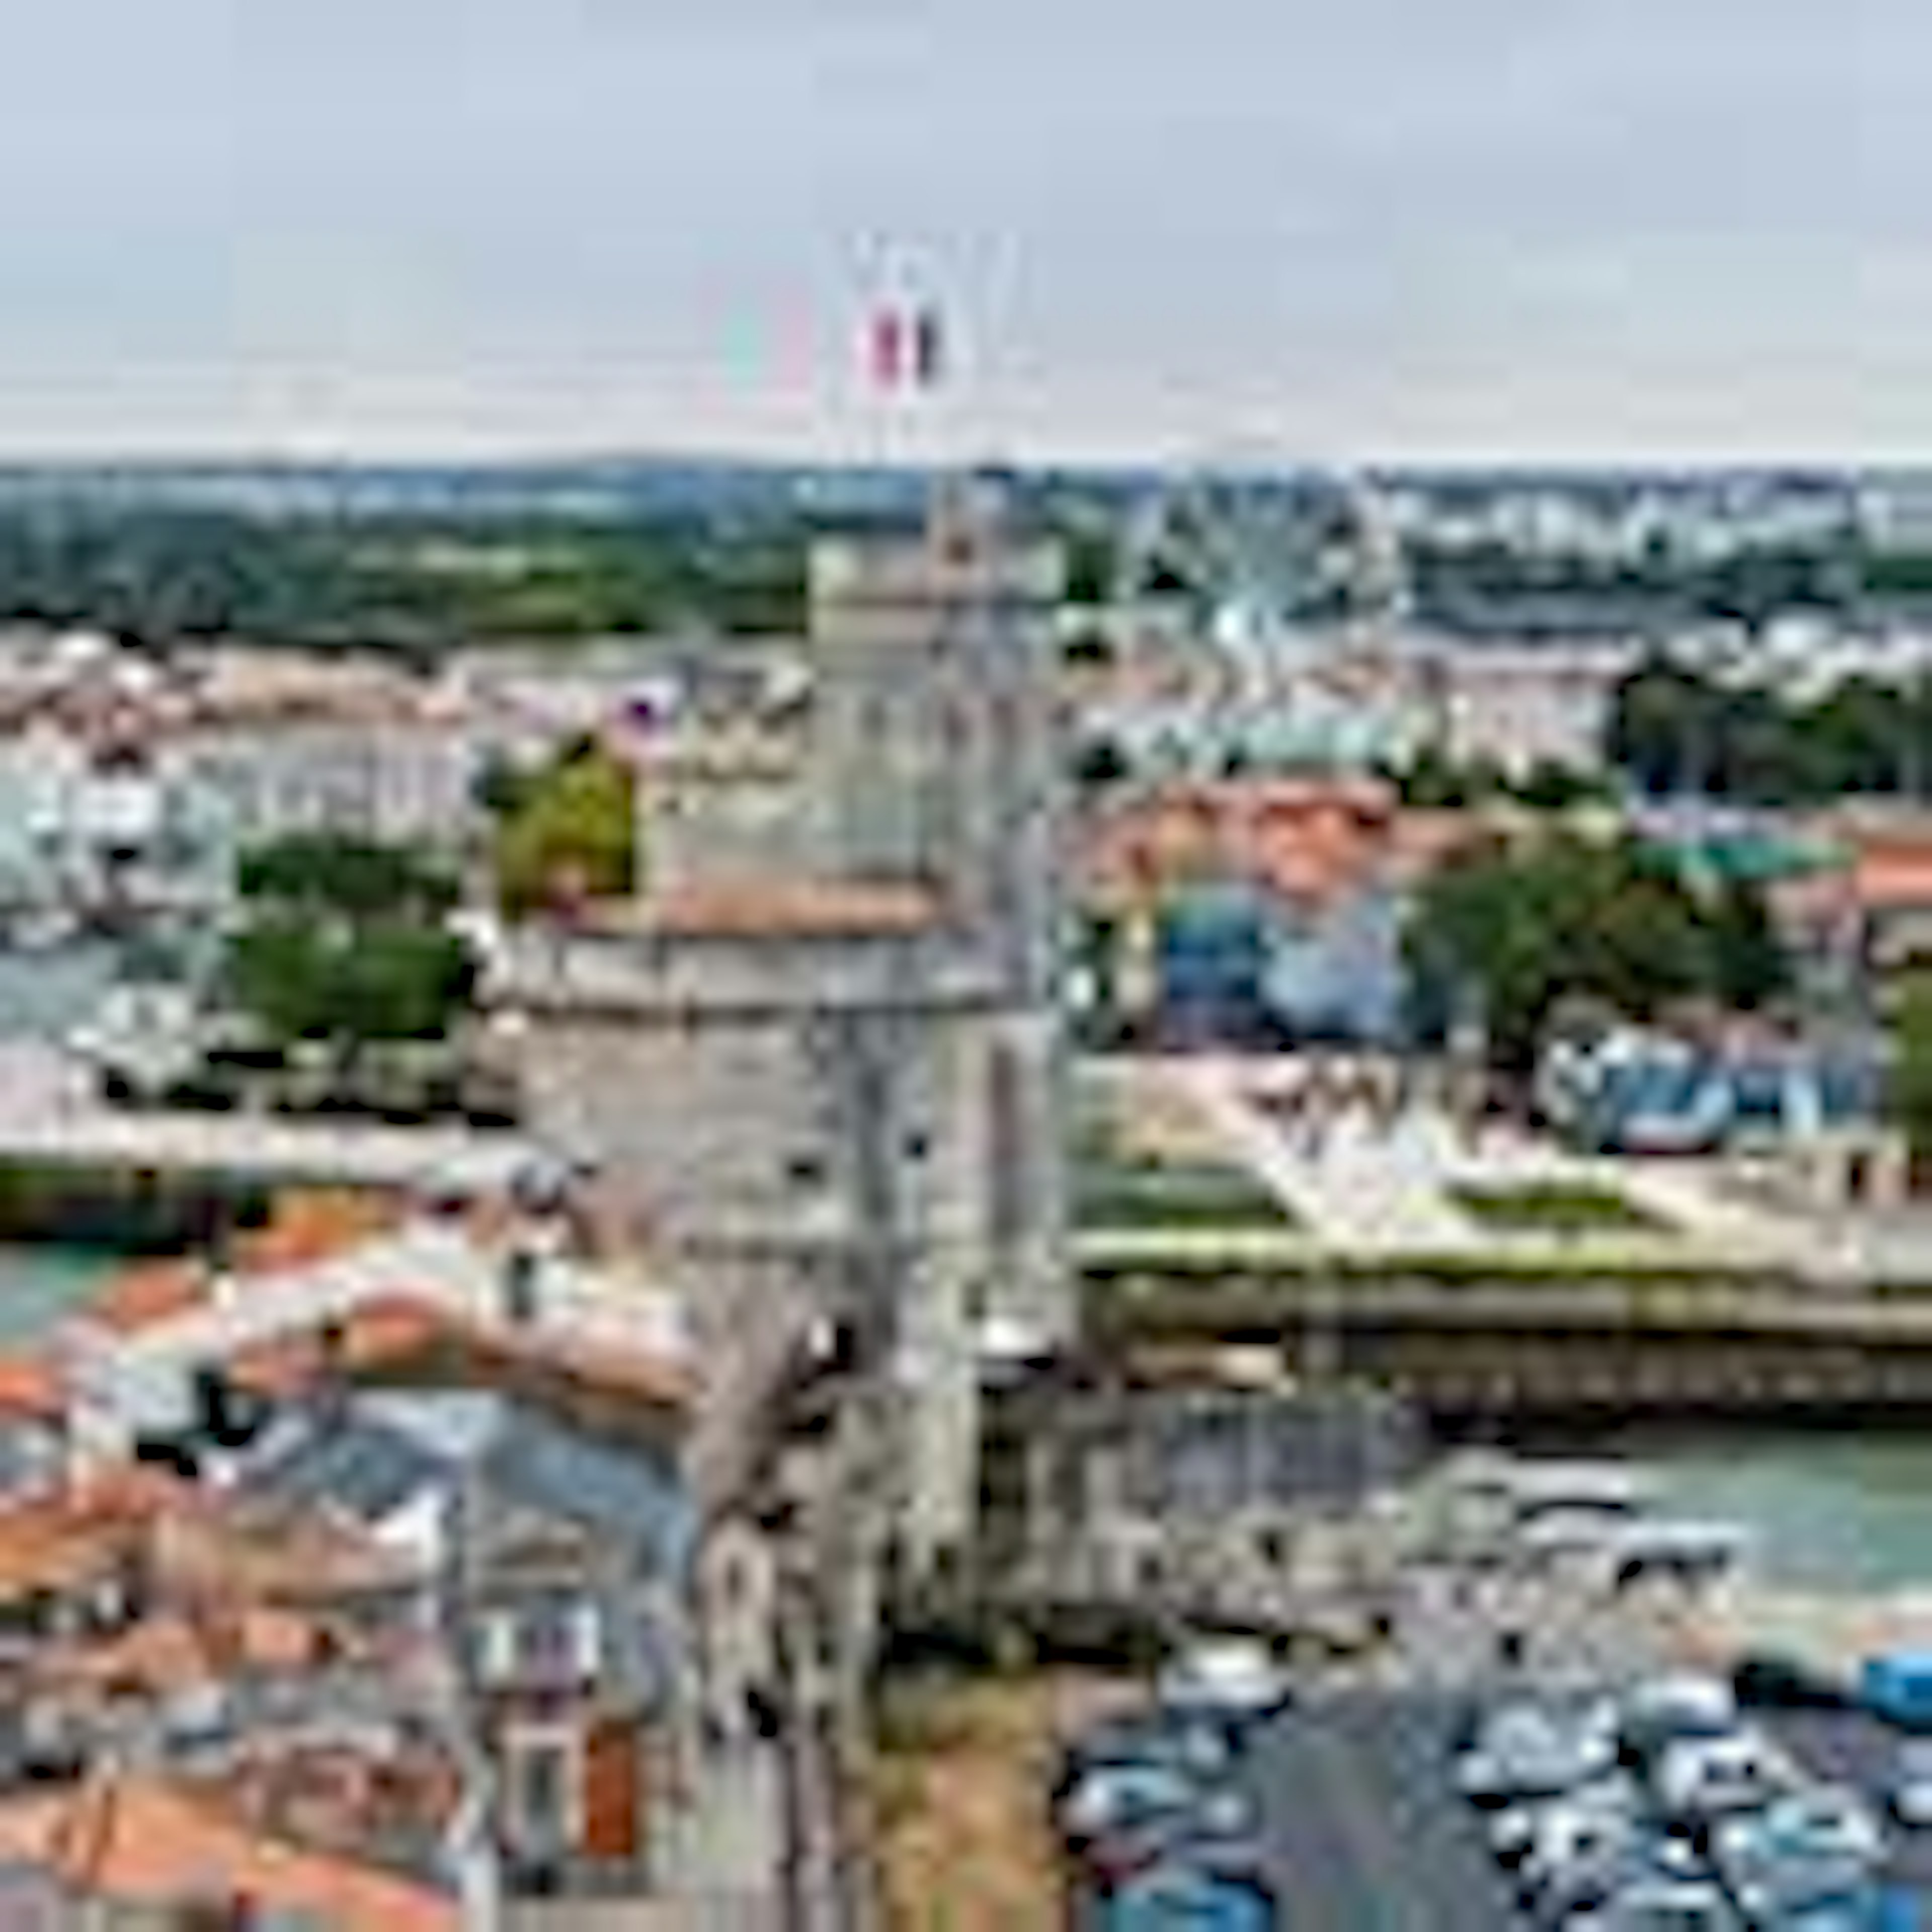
{"type": "Point", "coordinates": [1750, 587]}
{"type": "Point", "coordinates": [163, 576]}
{"type": "Point", "coordinates": [1672, 730]}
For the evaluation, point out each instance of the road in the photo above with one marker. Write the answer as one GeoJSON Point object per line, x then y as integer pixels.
{"type": "Point", "coordinates": [1366, 1833]}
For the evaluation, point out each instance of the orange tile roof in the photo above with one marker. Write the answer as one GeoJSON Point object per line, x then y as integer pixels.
{"type": "Point", "coordinates": [142, 1840]}
{"type": "Point", "coordinates": [778, 907]}
{"type": "Point", "coordinates": [237, 1557]}
{"type": "Point", "coordinates": [69, 1535]}
{"type": "Point", "coordinates": [175, 1650]}
{"type": "Point", "coordinates": [139, 1296]}
{"type": "Point", "coordinates": [1893, 874]}
{"type": "Point", "coordinates": [31, 1387]}
{"type": "Point", "coordinates": [395, 1330]}
{"type": "Point", "coordinates": [383, 1332]}
{"type": "Point", "coordinates": [627, 1372]}
{"type": "Point", "coordinates": [309, 1225]}
{"type": "Point", "coordinates": [1313, 840]}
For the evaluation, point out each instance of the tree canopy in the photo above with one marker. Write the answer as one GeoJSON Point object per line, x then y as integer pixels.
{"type": "Point", "coordinates": [570, 831]}
{"type": "Point", "coordinates": [357, 878]}
{"type": "Point", "coordinates": [1673, 730]}
{"type": "Point", "coordinates": [1515, 933]}
{"type": "Point", "coordinates": [345, 942]}
{"type": "Point", "coordinates": [417, 584]}
{"type": "Point", "coordinates": [1912, 1074]}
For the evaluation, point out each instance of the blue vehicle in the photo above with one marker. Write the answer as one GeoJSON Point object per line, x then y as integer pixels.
{"type": "Point", "coordinates": [1899, 1689]}
{"type": "Point", "coordinates": [1881, 1908]}
{"type": "Point", "coordinates": [1175, 1898]}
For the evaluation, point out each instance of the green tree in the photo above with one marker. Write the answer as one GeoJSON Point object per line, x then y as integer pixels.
{"type": "Point", "coordinates": [346, 942]}
{"type": "Point", "coordinates": [356, 878]}
{"type": "Point", "coordinates": [1749, 963]}
{"type": "Point", "coordinates": [1550, 787]}
{"type": "Point", "coordinates": [1090, 566]}
{"type": "Point", "coordinates": [573, 833]}
{"type": "Point", "coordinates": [1567, 920]}
{"type": "Point", "coordinates": [1912, 1074]}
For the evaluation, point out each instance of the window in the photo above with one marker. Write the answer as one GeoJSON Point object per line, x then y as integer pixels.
{"type": "Point", "coordinates": [1006, 1144]}
{"type": "Point", "coordinates": [538, 1788]}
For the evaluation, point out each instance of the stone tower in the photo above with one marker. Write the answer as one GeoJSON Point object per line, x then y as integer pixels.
{"type": "Point", "coordinates": [938, 762]}
{"type": "Point", "coordinates": [831, 1085]}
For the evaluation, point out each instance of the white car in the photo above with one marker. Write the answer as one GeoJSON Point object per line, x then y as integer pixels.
{"type": "Point", "coordinates": [1231, 1679]}
{"type": "Point", "coordinates": [1712, 1778]}
{"type": "Point", "coordinates": [1660, 1905]}
{"type": "Point", "coordinates": [1119, 1795]}
{"type": "Point", "coordinates": [1569, 1835]}
{"type": "Point", "coordinates": [1686, 1705]}
{"type": "Point", "coordinates": [1824, 1823]}
{"type": "Point", "coordinates": [1531, 1753]}
{"type": "Point", "coordinates": [1513, 1831]}
{"type": "Point", "coordinates": [1910, 1795]}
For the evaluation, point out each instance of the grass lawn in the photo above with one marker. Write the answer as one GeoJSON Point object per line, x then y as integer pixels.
{"type": "Point", "coordinates": [1174, 1195]}
{"type": "Point", "coordinates": [1552, 1208]}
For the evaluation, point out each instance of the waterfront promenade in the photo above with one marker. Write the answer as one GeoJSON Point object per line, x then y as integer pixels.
{"type": "Point", "coordinates": [50, 1116]}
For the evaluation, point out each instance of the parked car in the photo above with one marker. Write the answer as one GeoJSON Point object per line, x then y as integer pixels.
{"type": "Point", "coordinates": [1176, 1899]}
{"type": "Point", "coordinates": [1899, 1689]}
{"type": "Point", "coordinates": [1529, 1752]}
{"type": "Point", "coordinates": [1908, 1792]}
{"type": "Point", "coordinates": [1699, 1780]}
{"type": "Point", "coordinates": [1587, 1883]}
{"type": "Point", "coordinates": [1818, 1894]}
{"type": "Point", "coordinates": [1668, 1711]}
{"type": "Point", "coordinates": [1660, 1905]}
{"type": "Point", "coordinates": [1874, 1909]}
{"type": "Point", "coordinates": [1570, 1837]}
{"type": "Point", "coordinates": [1231, 1678]}
{"type": "Point", "coordinates": [1513, 1831]}
{"type": "Point", "coordinates": [1199, 1749]}
{"type": "Point", "coordinates": [1219, 1837]}
{"type": "Point", "coordinates": [1824, 1822]}
{"type": "Point", "coordinates": [1119, 1798]}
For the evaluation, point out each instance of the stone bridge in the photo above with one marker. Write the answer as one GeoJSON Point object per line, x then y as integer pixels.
{"type": "Point", "coordinates": [1461, 1343]}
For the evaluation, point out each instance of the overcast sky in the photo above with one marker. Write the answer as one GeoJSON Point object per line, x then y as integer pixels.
{"type": "Point", "coordinates": [1367, 228]}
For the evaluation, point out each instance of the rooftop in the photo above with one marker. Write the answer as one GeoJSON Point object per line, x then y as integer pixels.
{"type": "Point", "coordinates": [775, 908]}
{"type": "Point", "coordinates": [144, 1839]}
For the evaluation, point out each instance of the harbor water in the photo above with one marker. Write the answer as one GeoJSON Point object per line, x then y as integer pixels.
{"type": "Point", "coordinates": [1829, 1512]}
{"type": "Point", "coordinates": [40, 1284]}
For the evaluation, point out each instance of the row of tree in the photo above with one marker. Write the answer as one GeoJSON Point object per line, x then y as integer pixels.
{"type": "Point", "coordinates": [1751, 587]}
{"type": "Point", "coordinates": [160, 576]}
{"type": "Point", "coordinates": [1672, 730]}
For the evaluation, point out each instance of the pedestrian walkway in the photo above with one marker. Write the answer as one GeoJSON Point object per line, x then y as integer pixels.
{"type": "Point", "coordinates": [1346, 1188]}
{"type": "Point", "coordinates": [1358, 1183]}
{"type": "Point", "coordinates": [723, 1861]}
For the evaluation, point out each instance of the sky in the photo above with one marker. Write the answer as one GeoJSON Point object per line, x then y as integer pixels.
{"type": "Point", "coordinates": [1361, 230]}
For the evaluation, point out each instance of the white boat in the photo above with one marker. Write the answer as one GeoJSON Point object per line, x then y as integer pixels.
{"type": "Point", "coordinates": [43, 929]}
